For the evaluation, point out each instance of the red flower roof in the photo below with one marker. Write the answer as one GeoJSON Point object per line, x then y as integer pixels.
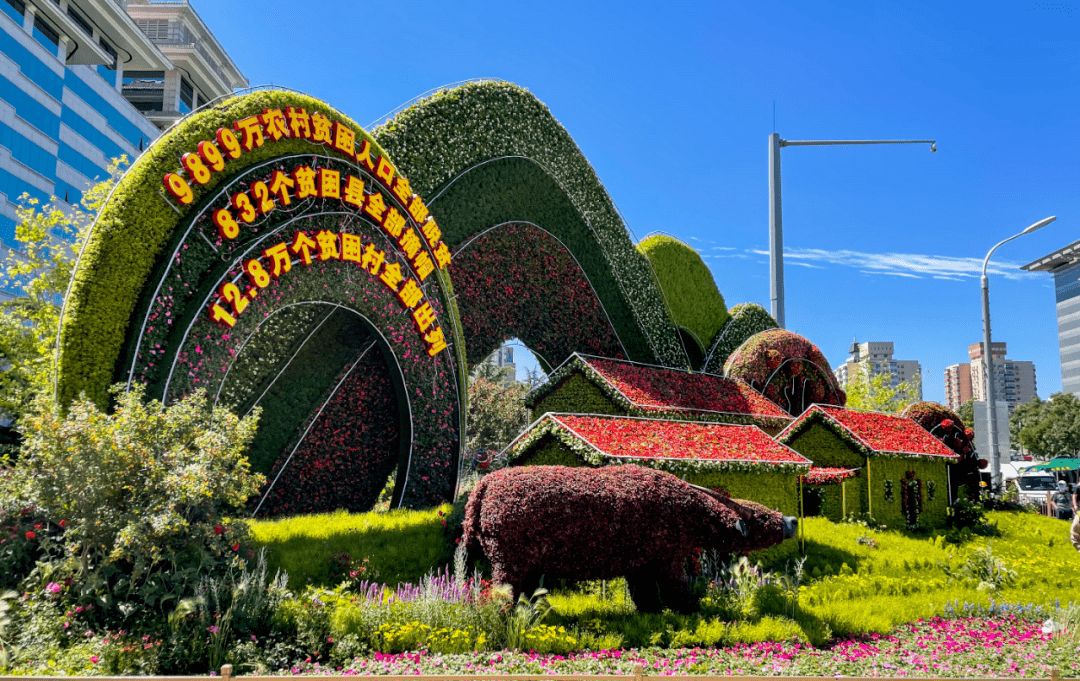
{"type": "Point", "coordinates": [690, 440]}
{"type": "Point", "coordinates": [659, 389]}
{"type": "Point", "coordinates": [876, 432]}
{"type": "Point", "coordinates": [824, 476]}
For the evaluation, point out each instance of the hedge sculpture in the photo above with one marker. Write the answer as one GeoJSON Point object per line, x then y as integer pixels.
{"type": "Point", "coordinates": [786, 368]}
{"type": "Point", "coordinates": [583, 523]}
{"type": "Point", "coordinates": [944, 424]}
{"type": "Point", "coordinates": [489, 154]}
{"type": "Point", "coordinates": [690, 291]}
{"type": "Point", "coordinates": [745, 320]}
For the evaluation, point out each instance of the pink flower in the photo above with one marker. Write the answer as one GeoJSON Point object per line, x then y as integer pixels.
{"type": "Point", "coordinates": [94, 659]}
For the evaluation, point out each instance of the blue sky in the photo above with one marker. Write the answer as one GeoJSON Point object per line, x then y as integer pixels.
{"type": "Point", "coordinates": [673, 103]}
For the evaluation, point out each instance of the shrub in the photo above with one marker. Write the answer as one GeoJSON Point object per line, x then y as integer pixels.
{"type": "Point", "coordinates": [140, 493]}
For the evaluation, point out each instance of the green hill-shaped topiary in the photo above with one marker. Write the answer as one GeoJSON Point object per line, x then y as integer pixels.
{"type": "Point", "coordinates": [746, 320]}
{"type": "Point", "coordinates": [695, 302]}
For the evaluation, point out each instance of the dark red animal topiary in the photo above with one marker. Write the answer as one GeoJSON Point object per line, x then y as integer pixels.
{"type": "Point", "coordinates": [600, 523]}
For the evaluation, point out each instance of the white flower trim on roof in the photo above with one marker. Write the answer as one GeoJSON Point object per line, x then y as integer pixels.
{"type": "Point", "coordinates": [851, 438]}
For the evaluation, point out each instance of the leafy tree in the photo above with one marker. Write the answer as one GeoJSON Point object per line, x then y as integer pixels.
{"type": "Point", "coordinates": [140, 493]}
{"type": "Point", "coordinates": [38, 270]}
{"type": "Point", "coordinates": [496, 413]}
{"type": "Point", "coordinates": [875, 391]}
{"type": "Point", "coordinates": [1023, 415]}
{"type": "Point", "coordinates": [1054, 429]}
{"type": "Point", "coordinates": [967, 413]}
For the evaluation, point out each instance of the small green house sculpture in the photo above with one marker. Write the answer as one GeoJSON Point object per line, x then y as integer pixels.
{"type": "Point", "coordinates": [594, 385]}
{"type": "Point", "coordinates": [743, 461]}
{"type": "Point", "coordinates": [884, 465]}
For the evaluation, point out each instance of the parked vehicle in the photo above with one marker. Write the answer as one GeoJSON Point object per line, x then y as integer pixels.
{"type": "Point", "coordinates": [1034, 486]}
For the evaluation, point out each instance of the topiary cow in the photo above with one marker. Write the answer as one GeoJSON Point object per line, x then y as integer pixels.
{"type": "Point", "coordinates": [601, 523]}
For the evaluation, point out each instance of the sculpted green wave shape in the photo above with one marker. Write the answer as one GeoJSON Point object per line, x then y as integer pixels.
{"type": "Point", "coordinates": [136, 225]}
{"type": "Point", "coordinates": [695, 302]}
{"type": "Point", "coordinates": [463, 129]}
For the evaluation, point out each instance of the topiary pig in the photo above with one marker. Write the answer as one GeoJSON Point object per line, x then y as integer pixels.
{"type": "Point", "coordinates": [602, 523]}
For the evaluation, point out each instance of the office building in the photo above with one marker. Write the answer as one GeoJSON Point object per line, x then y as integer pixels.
{"type": "Point", "coordinates": [86, 81]}
{"type": "Point", "coordinates": [1064, 264]}
{"type": "Point", "coordinates": [878, 358]}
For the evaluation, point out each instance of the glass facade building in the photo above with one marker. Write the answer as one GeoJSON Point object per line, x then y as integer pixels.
{"type": "Point", "coordinates": [1064, 264]}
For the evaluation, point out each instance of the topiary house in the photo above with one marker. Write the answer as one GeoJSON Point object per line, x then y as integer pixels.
{"type": "Point", "coordinates": [743, 461]}
{"type": "Point", "coordinates": [903, 478]}
{"type": "Point", "coordinates": [595, 385]}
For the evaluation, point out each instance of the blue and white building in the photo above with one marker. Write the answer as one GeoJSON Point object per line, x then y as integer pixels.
{"type": "Point", "coordinates": [86, 81]}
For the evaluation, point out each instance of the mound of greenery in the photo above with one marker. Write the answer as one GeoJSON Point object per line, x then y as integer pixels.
{"type": "Point", "coordinates": [691, 293]}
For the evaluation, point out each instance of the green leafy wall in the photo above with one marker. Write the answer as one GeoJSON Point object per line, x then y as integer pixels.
{"type": "Point", "coordinates": [450, 134]}
{"type": "Point", "coordinates": [891, 513]}
{"type": "Point", "coordinates": [834, 506]}
{"type": "Point", "coordinates": [695, 302]}
{"type": "Point", "coordinates": [745, 320]}
{"type": "Point", "coordinates": [576, 395]}
{"type": "Point", "coordinates": [550, 452]}
{"type": "Point", "coordinates": [825, 448]}
{"type": "Point", "coordinates": [775, 490]}
{"type": "Point", "coordinates": [135, 226]}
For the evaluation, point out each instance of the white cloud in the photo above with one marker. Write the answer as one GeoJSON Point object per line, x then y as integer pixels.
{"type": "Point", "coordinates": [806, 264]}
{"type": "Point", "coordinates": [722, 248]}
{"type": "Point", "coordinates": [904, 264]}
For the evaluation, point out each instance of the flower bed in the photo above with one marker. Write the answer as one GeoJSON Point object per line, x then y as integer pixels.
{"type": "Point", "coordinates": [873, 433]}
{"type": "Point", "coordinates": [964, 648]}
{"type": "Point", "coordinates": [676, 446]}
{"type": "Point", "coordinates": [519, 281]}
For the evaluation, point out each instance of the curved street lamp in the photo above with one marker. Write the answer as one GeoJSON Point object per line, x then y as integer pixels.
{"type": "Point", "coordinates": [988, 357]}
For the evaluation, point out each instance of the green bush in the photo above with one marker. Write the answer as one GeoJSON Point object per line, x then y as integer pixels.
{"type": "Point", "coordinates": [688, 286]}
{"type": "Point", "coordinates": [744, 321]}
{"type": "Point", "coordinates": [140, 493]}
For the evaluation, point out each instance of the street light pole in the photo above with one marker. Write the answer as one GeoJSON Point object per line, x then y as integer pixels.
{"type": "Point", "coordinates": [988, 359]}
{"type": "Point", "coordinates": [776, 229]}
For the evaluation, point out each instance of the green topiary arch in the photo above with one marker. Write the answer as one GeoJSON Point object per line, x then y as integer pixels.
{"type": "Point", "coordinates": [182, 293]}
{"type": "Point", "coordinates": [490, 154]}
{"type": "Point", "coordinates": [176, 291]}
{"type": "Point", "coordinates": [690, 291]}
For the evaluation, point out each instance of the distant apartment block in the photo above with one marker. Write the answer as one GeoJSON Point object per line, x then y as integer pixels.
{"type": "Point", "coordinates": [1064, 264]}
{"type": "Point", "coordinates": [878, 358]}
{"type": "Point", "coordinates": [84, 82]}
{"type": "Point", "coordinates": [1015, 381]}
{"type": "Point", "coordinates": [957, 385]}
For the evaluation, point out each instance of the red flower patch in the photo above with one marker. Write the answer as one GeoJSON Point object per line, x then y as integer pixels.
{"type": "Point", "coordinates": [656, 439]}
{"type": "Point", "coordinates": [828, 476]}
{"type": "Point", "coordinates": [658, 389]}
{"type": "Point", "coordinates": [519, 281]}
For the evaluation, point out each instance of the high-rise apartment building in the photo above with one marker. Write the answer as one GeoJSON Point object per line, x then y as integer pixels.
{"type": "Point", "coordinates": [878, 358]}
{"type": "Point", "coordinates": [1015, 381]}
{"type": "Point", "coordinates": [502, 360]}
{"type": "Point", "coordinates": [1064, 264]}
{"type": "Point", "coordinates": [957, 385]}
{"type": "Point", "coordinates": [86, 81]}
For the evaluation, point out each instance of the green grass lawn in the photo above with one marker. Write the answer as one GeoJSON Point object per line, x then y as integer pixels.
{"type": "Point", "coordinates": [401, 545]}
{"type": "Point", "coordinates": [849, 586]}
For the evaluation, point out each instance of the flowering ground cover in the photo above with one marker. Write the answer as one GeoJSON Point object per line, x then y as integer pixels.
{"type": "Point", "coordinates": [1006, 647]}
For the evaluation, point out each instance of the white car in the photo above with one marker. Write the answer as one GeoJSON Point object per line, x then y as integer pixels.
{"type": "Point", "coordinates": [1034, 486]}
